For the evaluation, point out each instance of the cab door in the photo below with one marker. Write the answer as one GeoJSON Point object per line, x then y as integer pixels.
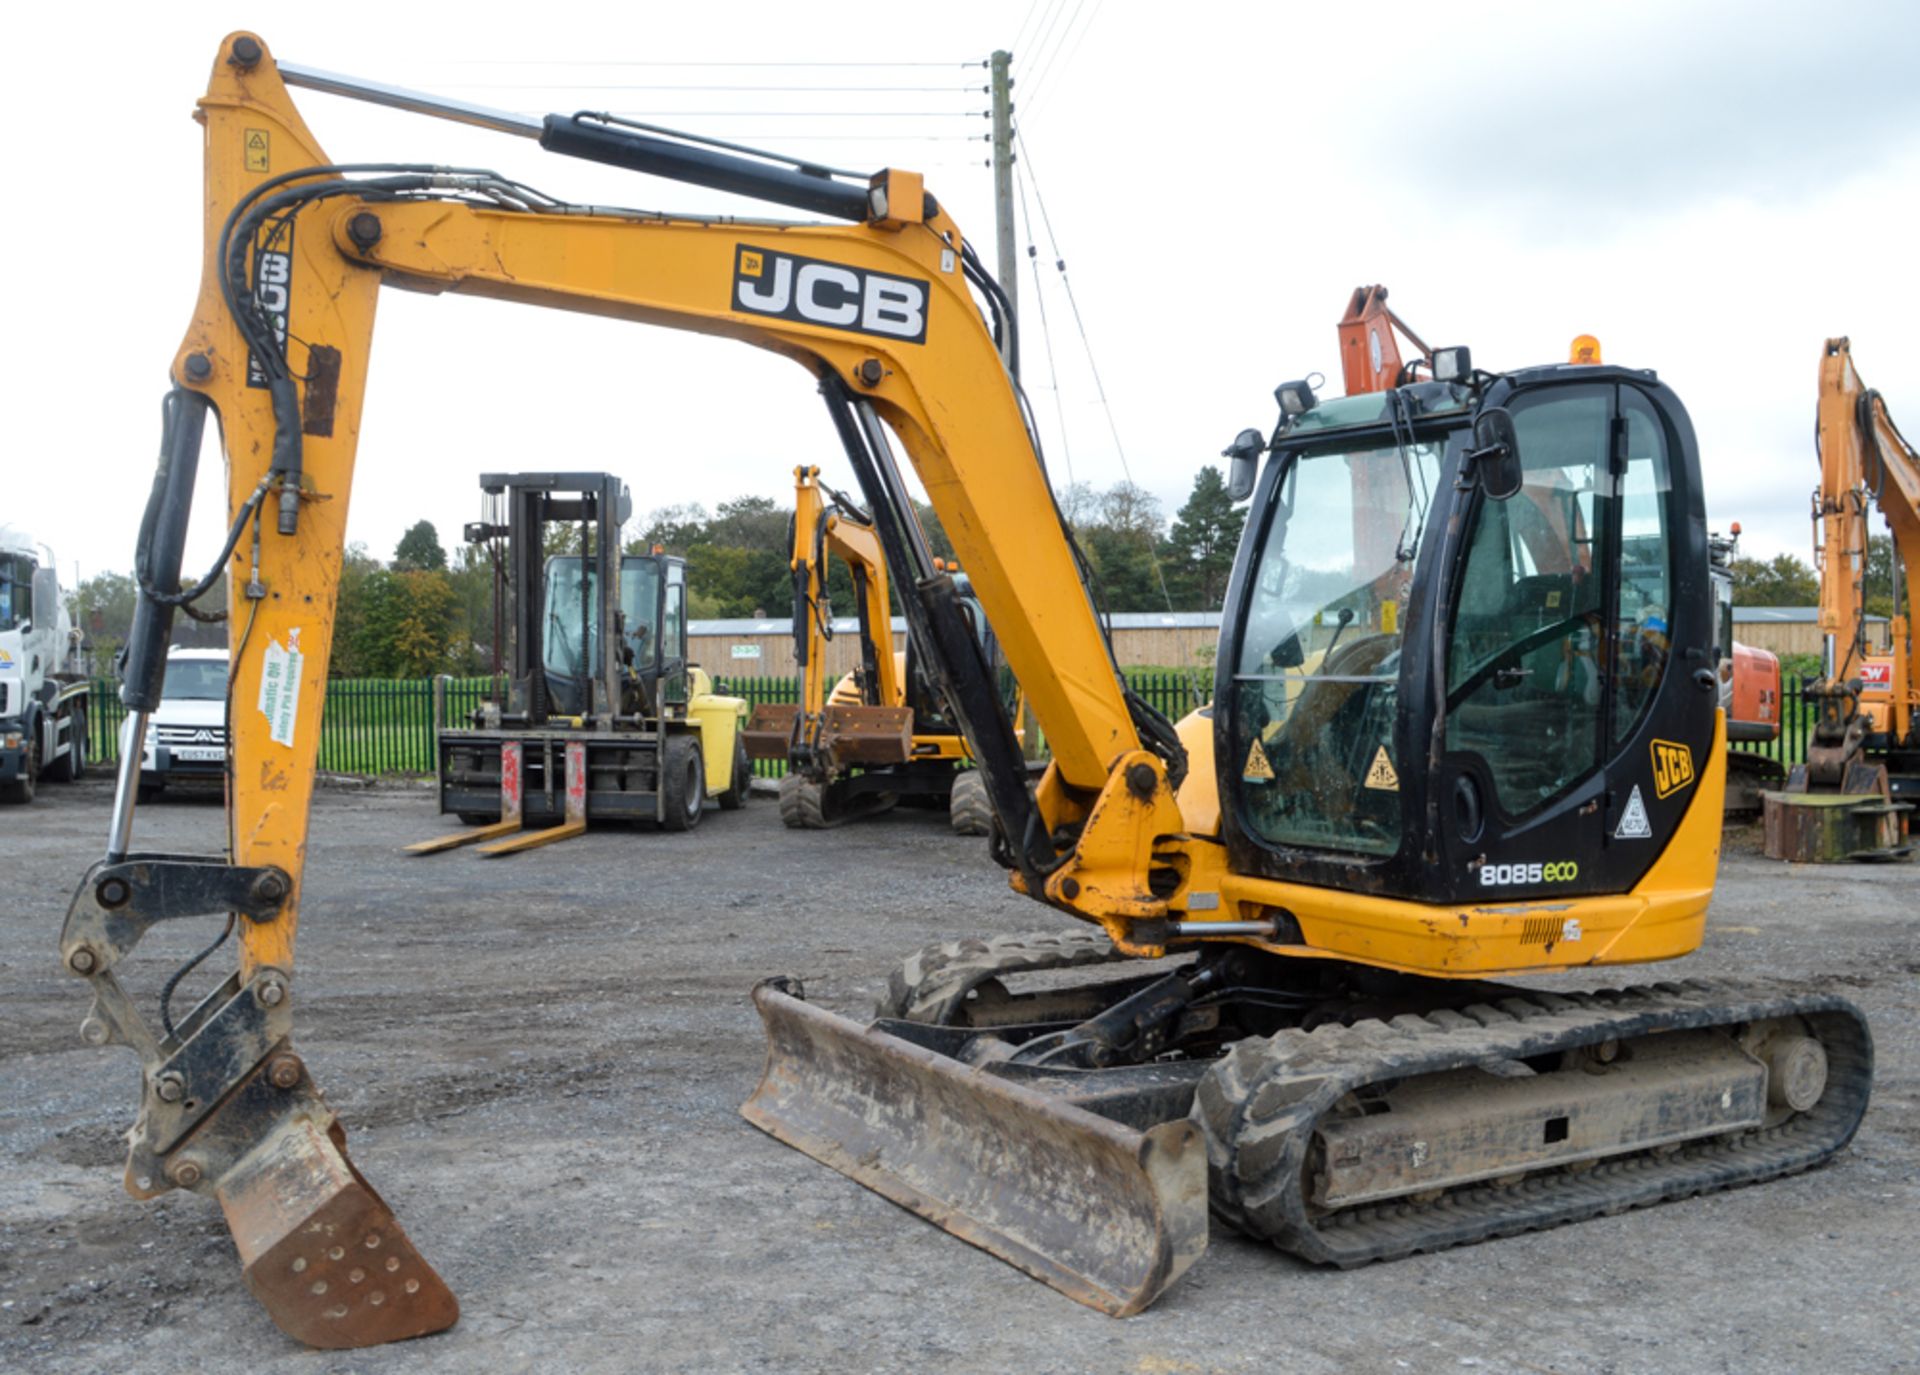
{"type": "Point", "coordinates": [1579, 697]}
{"type": "Point", "coordinates": [673, 634]}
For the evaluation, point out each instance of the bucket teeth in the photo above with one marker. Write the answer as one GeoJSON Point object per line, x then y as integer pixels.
{"type": "Point", "coordinates": [1105, 1214]}
{"type": "Point", "coordinates": [321, 1250]}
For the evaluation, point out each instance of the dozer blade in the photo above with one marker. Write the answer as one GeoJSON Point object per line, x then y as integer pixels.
{"type": "Point", "coordinates": [321, 1250]}
{"type": "Point", "coordinates": [1105, 1214]}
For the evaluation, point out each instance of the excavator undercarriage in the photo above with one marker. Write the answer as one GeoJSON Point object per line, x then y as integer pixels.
{"type": "Point", "coordinates": [1082, 1131]}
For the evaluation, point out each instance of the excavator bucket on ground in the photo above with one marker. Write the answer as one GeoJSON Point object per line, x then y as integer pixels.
{"type": "Point", "coordinates": [321, 1250]}
{"type": "Point", "coordinates": [1106, 1214]}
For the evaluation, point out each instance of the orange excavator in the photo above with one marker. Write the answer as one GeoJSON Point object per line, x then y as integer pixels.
{"type": "Point", "coordinates": [1868, 699]}
{"type": "Point", "coordinates": [1449, 749]}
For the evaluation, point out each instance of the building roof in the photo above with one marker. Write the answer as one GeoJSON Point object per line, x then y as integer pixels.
{"type": "Point", "coordinates": [1784, 615]}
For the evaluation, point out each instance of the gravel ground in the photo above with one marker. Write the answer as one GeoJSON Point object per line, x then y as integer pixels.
{"type": "Point", "coordinates": [540, 1062]}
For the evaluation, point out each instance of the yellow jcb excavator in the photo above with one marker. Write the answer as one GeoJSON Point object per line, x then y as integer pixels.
{"type": "Point", "coordinates": [881, 734]}
{"type": "Point", "coordinates": [1444, 752]}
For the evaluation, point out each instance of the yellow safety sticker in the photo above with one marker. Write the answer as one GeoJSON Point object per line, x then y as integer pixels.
{"type": "Point", "coordinates": [1553, 598]}
{"type": "Point", "coordinates": [1672, 767]}
{"type": "Point", "coordinates": [1381, 776]}
{"type": "Point", "coordinates": [751, 264]}
{"type": "Point", "coordinates": [259, 149]}
{"type": "Point", "coordinates": [1258, 769]}
{"type": "Point", "coordinates": [1390, 618]}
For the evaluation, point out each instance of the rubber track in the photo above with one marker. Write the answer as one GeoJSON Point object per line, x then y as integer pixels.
{"type": "Point", "coordinates": [801, 804]}
{"type": "Point", "coordinates": [968, 809]}
{"type": "Point", "coordinates": [1258, 1106]}
{"type": "Point", "coordinates": [932, 983]}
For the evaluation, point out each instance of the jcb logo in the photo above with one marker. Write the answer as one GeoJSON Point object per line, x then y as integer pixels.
{"type": "Point", "coordinates": [1672, 767]}
{"type": "Point", "coordinates": [272, 287]}
{"type": "Point", "coordinates": [830, 294]}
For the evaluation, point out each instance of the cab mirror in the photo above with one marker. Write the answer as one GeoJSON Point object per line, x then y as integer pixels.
{"type": "Point", "coordinates": [1496, 456]}
{"type": "Point", "coordinates": [1243, 463]}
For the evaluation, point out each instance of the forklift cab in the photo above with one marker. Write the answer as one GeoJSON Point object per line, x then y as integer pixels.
{"type": "Point", "coordinates": [650, 633]}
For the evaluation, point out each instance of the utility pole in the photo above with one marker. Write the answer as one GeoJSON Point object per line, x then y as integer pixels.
{"type": "Point", "coordinates": [1003, 178]}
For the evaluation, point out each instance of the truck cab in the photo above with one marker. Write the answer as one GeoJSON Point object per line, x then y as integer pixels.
{"type": "Point", "coordinates": [43, 686]}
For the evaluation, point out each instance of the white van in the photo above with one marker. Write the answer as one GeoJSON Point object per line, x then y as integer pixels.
{"type": "Point", "coordinates": [187, 734]}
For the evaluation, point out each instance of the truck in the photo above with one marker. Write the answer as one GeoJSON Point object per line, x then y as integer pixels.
{"type": "Point", "coordinates": [43, 678]}
{"type": "Point", "coordinates": [186, 741]}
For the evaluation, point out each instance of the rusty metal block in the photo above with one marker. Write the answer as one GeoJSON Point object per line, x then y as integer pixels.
{"type": "Point", "coordinates": [1828, 828]}
{"type": "Point", "coordinates": [867, 735]}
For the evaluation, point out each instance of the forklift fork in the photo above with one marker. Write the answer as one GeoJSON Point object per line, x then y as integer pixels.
{"type": "Point", "coordinates": [512, 756]}
{"type": "Point", "coordinates": [576, 810]}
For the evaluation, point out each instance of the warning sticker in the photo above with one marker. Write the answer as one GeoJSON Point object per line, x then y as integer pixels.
{"type": "Point", "coordinates": [1390, 618]}
{"type": "Point", "coordinates": [258, 151]}
{"type": "Point", "coordinates": [1258, 769]}
{"type": "Point", "coordinates": [1380, 776]}
{"type": "Point", "coordinates": [1633, 821]}
{"type": "Point", "coordinates": [280, 687]}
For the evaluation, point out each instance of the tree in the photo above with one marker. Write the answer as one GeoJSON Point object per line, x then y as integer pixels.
{"type": "Point", "coordinates": [421, 639]}
{"type": "Point", "coordinates": [1880, 592]}
{"type": "Point", "coordinates": [103, 611]}
{"type": "Point", "coordinates": [1119, 531]}
{"type": "Point", "coordinates": [1785, 581]}
{"type": "Point", "coordinates": [936, 533]}
{"type": "Point", "coordinates": [471, 579]}
{"type": "Point", "coordinates": [677, 528]}
{"type": "Point", "coordinates": [1201, 545]}
{"type": "Point", "coordinates": [1132, 509]}
{"type": "Point", "coordinates": [419, 550]}
{"type": "Point", "coordinates": [363, 586]}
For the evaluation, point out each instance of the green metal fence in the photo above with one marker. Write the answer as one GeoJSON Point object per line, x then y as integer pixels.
{"type": "Point", "coordinates": [385, 725]}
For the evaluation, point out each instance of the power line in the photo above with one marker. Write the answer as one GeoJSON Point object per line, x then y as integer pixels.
{"type": "Point", "coordinates": [1054, 10]}
{"type": "Point", "coordinates": [1074, 52]}
{"type": "Point", "coordinates": [1100, 388]}
{"type": "Point", "coordinates": [1020, 34]}
{"type": "Point", "coordinates": [1046, 66]}
{"type": "Point", "coordinates": [1046, 333]}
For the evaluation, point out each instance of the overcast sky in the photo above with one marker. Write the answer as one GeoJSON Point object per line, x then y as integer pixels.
{"type": "Point", "coordinates": [1712, 189]}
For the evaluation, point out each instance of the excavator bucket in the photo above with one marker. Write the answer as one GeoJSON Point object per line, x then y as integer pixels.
{"type": "Point", "coordinates": [769, 732]}
{"type": "Point", "coordinates": [1107, 1215]}
{"type": "Point", "coordinates": [867, 735]}
{"type": "Point", "coordinates": [321, 1250]}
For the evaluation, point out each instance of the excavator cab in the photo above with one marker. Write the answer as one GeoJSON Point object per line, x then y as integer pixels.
{"type": "Point", "coordinates": [1434, 690]}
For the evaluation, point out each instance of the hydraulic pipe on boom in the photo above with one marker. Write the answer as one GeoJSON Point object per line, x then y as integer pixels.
{"type": "Point", "coordinates": [1498, 767]}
